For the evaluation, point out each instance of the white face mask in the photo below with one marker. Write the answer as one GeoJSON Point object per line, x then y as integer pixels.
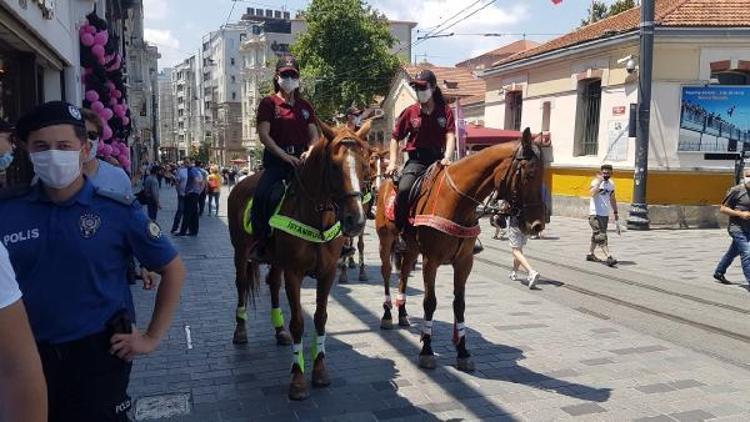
{"type": "Point", "coordinates": [57, 169]}
{"type": "Point", "coordinates": [288, 84]}
{"type": "Point", "coordinates": [424, 95]}
{"type": "Point", "coordinates": [94, 147]}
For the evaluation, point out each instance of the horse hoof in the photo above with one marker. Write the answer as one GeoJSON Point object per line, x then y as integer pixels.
{"type": "Point", "coordinates": [320, 378]}
{"type": "Point", "coordinates": [352, 264]}
{"type": "Point", "coordinates": [465, 364]}
{"type": "Point", "coordinates": [427, 362]}
{"type": "Point", "coordinates": [240, 337]}
{"type": "Point", "coordinates": [386, 324]}
{"type": "Point", "coordinates": [363, 277]}
{"type": "Point", "coordinates": [403, 321]}
{"type": "Point", "coordinates": [298, 392]}
{"type": "Point", "coordinates": [283, 338]}
{"type": "Point", "coordinates": [343, 281]}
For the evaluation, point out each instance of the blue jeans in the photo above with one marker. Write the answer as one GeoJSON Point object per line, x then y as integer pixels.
{"type": "Point", "coordinates": [740, 246]}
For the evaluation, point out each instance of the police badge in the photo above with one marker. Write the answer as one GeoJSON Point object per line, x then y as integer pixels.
{"type": "Point", "coordinates": [74, 112]}
{"type": "Point", "coordinates": [88, 225]}
{"type": "Point", "coordinates": [153, 231]}
{"type": "Point", "coordinates": [441, 121]}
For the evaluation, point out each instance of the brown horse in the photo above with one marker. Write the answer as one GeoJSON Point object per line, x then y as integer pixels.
{"type": "Point", "coordinates": [325, 189]}
{"type": "Point", "coordinates": [447, 204]}
{"type": "Point", "coordinates": [376, 173]}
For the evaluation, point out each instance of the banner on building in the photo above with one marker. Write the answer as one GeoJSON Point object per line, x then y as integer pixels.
{"type": "Point", "coordinates": [715, 119]}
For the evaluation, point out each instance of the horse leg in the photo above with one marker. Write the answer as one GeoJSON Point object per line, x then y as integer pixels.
{"type": "Point", "coordinates": [242, 282]}
{"type": "Point", "coordinates": [297, 386]}
{"type": "Point", "coordinates": [343, 275]}
{"type": "Point", "coordinates": [409, 257]}
{"type": "Point", "coordinates": [429, 272]}
{"type": "Point", "coordinates": [461, 270]}
{"type": "Point", "coordinates": [361, 247]}
{"type": "Point", "coordinates": [283, 338]}
{"type": "Point", "coordinates": [350, 259]}
{"type": "Point", "coordinates": [320, 376]}
{"type": "Point", "coordinates": [386, 248]}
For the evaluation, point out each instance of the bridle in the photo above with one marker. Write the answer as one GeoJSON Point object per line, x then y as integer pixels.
{"type": "Point", "coordinates": [517, 205]}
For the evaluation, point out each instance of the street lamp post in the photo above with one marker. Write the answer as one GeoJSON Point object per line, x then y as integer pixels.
{"type": "Point", "coordinates": [638, 216]}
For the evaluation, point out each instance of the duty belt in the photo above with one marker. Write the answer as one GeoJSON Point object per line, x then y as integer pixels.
{"type": "Point", "coordinates": [423, 153]}
{"type": "Point", "coordinates": [293, 149]}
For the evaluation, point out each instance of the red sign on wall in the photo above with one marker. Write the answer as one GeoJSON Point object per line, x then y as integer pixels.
{"type": "Point", "coordinates": [618, 111]}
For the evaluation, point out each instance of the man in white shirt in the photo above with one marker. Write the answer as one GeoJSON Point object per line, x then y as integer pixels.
{"type": "Point", "coordinates": [602, 191]}
{"type": "Point", "coordinates": [23, 391]}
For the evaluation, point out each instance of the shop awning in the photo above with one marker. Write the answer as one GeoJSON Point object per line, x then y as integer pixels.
{"type": "Point", "coordinates": [478, 135]}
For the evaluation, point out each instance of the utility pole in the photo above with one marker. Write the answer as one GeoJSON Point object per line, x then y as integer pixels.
{"type": "Point", "coordinates": [638, 216]}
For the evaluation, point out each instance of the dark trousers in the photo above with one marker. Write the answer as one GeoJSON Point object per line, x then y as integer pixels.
{"type": "Point", "coordinates": [213, 197]}
{"type": "Point", "coordinates": [273, 172]}
{"type": "Point", "coordinates": [85, 383]}
{"type": "Point", "coordinates": [413, 168]}
{"type": "Point", "coordinates": [190, 218]}
{"type": "Point", "coordinates": [152, 209]}
{"type": "Point", "coordinates": [178, 215]}
{"type": "Point", "coordinates": [202, 202]}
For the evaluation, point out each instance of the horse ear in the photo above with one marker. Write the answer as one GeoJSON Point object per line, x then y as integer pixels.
{"type": "Point", "coordinates": [526, 140]}
{"type": "Point", "coordinates": [328, 132]}
{"type": "Point", "coordinates": [364, 130]}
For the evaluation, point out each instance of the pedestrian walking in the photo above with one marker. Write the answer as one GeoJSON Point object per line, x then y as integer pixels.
{"type": "Point", "coordinates": [602, 202]}
{"type": "Point", "coordinates": [736, 205]}
{"type": "Point", "coordinates": [151, 193]}
{"type": "Point", "coordinates": [23, 392]}
{"type": "Point", "coordinates": [180, 183]}
{"type": "Point", "coordinates": [517, 240]}
{"type": "Point", "coordinates": [204, 184]}
{"type": "Point", "coordinates": [193, 188]}
{"type": "Point", "coordinates": [85, 237]}
{"type": "Point", "coordinates": [214, 190]}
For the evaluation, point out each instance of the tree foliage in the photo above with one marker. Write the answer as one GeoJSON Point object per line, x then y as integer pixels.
{"type": "Point", "coordinates": [344, 55]}
{"type": "Point", "coordinates": [601, 10]}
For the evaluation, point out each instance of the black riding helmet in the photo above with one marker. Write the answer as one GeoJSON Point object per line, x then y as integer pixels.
{"type": "Point", "coordinates": [423, 77]}
{"type": "Point", "coordinates": [287, 63]}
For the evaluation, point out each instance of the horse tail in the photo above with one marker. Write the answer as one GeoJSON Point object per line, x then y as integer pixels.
{"type": "Point", "coordinates": [253, 277]}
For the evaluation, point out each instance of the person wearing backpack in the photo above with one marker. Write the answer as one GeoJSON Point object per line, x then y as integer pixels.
{"type": "Point", "coordinates": [214, 190]}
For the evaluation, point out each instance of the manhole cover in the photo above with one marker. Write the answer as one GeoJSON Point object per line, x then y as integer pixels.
{"type": "Point", "coordinates": [164, 406]}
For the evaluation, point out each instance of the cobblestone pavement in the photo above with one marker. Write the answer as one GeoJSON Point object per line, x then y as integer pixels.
{"type": "Point", "coordinates": [537, 360]}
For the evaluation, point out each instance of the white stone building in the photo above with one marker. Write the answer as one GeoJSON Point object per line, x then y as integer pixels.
{"type": "Point", "coordinates": [167, 123]}
{"type": "Point", "coordinates": [186, 105]}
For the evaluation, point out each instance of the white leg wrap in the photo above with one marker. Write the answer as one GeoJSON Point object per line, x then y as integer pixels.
{"type": "Point", "coordinates": [388, 302]}
{"type": "Point", "coordinates": [460, 329]}
{"type": "Point", "coordinates": [298, 355]}
{"type": "Point", "coordinates": [427, 328]}
{"type": "Point", "coordinates": [401, 299]}
{"type": "Point", "coordinates": [321, 343]}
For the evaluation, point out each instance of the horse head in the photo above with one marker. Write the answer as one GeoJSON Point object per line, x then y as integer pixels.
{"type": "Point", "coordinates": [525, 185]}
{"type": "Point", "coordinates": [348, 160]}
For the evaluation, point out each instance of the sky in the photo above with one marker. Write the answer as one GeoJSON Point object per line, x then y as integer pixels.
{"type": "Point", "coordinates": [176, 26]}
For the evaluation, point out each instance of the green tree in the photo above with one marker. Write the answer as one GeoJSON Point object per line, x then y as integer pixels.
{"type": "Point", "coordinates": [344, 55]}
{"type": "Point", "coordinates": [601, 11]}
{"type": "Point", "coordinates": [200, 152]}
{"type": "Point", "coordinates": [620, 6]}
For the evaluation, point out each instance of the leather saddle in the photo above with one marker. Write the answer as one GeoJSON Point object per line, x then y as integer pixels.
{"type": "Point", "coordinates": [415, 193]}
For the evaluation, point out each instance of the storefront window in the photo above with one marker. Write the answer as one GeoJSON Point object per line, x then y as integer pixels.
{"type": "Point", "coordinates": [19, 85]}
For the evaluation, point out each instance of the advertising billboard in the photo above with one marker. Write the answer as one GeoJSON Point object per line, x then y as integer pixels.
{"type": "Point", "coordinates": [714, 119]}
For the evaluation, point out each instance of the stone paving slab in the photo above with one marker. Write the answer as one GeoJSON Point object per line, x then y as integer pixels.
{"type": "Point", "coordinates": [536, 360]}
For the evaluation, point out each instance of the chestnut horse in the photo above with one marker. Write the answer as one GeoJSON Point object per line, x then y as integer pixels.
{"type": "Point", "coordinates": [448, 200]}
{"type": "Point", "coordinates": [376, 173]}
{"type": "Point", "coordinates": [325, 189]}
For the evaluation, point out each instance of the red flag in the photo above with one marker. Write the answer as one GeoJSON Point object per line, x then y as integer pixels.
{"type": "Point", "coordinates": [556, 2]}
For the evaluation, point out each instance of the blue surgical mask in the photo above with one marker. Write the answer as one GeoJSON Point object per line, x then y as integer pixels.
{"type": "Point", "coordinates": [5, 160]}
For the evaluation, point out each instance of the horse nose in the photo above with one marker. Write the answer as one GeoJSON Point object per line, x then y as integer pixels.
{"type": "Point", "coordinates": [353, 223]}
{"type": "Point", "coordinates": [536, 227]}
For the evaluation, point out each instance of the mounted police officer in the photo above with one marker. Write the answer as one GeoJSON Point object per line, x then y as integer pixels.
{"type": "Point", "coordinates": [70, 244]}
{"type": "Point", "coordinates": [287, 127]}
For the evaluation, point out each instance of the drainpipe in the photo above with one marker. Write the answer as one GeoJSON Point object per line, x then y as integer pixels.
{"type": "Point", "coordinates": [638, 216]}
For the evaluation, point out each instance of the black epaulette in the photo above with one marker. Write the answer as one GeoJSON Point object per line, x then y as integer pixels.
{"type": "Point", "coordinates": [115, 196]}
{"type": "Point", "coordinates": [14, 192]}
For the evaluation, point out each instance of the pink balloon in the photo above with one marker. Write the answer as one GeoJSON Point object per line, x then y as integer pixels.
{"type": "Point", "coordinates": [88, 70]}
{"type": "Point", "coordinates": [119, 110]}
{"type": "Point", "coordinates": [104, 150]}
{"type": "Point", "coordinates": [106, 113]}
{"type": "Point", "coordinates": [98, 51]}
{"type": "Point", "coordinates": [91, 29]}
{"type": "Point", "coordinates": [92, 96]}
{"type": "Point", "coordinates": [125, 120]}
{"type": "Point", "coordinates": [87, 39]}
{"type": "Point", "coordinates": [124, 162]}
{"type": "Point", "coordinates": [101, 61]}
{"type": "Point", "coordinates": [117, 93]}
{"type": "Point", "coordinates": [97, 106]}
{"type": "Point", "coordinates": [106, 132]}
{"type": "Point", "coordinates": [101, 38]}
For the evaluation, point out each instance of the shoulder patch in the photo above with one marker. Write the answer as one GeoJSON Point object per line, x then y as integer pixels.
{"type": "Point", "coordinates": [115, 196]}
{"type": "Point", "coordinates": [153, 231]}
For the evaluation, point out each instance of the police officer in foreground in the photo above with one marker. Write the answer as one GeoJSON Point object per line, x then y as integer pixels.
{"type": "Point", "coordinates": [69, 244]}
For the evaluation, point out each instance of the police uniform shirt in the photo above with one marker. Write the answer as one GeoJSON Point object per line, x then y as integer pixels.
{"type": "Point", "coordinates": [424, 130]}
{"type": "Point", "coordinates": [71, 258]}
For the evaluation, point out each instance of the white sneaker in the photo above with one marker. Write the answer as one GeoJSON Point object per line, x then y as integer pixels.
{"type": "Point", "coordinates": [532, 279]}
{"type": "Point", "coordinates": [513, 276]}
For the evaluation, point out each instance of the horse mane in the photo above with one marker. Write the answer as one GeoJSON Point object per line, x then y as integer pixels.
{"type": "Point", "coordinates": [315, 168]}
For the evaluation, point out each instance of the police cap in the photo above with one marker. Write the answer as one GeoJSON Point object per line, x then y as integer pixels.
{"type": "Point", "coordinates": [287, 63]}
{"type": "Point", "coordinates": [49, 114]}
{"type": "Point", "coordinates": [424, 77]}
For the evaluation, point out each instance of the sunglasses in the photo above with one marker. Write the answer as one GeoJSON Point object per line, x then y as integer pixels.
{"type": "Point", "coordinates": [420, 87]}
{"type": "Point", "coordinates": [93, 136]}
{"type": "Point", "coordinates": [289, 75]}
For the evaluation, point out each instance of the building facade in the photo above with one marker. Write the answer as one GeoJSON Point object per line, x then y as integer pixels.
{"type": "Point", "coordinates": [167, 124]}
{"type": "Point", "coordinates": [186, 106]}
{"type": "Point", "coordinates": [580, 89]}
